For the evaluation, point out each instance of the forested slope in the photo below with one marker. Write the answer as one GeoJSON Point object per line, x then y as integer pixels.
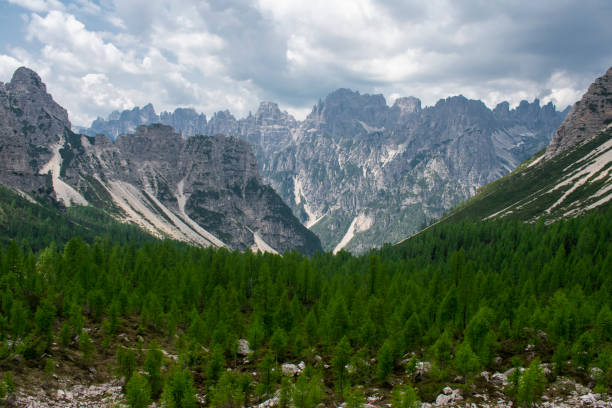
{"type": "Point", "coordinates": [435, 311]}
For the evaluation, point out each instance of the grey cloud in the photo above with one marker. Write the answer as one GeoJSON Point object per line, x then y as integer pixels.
{"type": "Point", "coordinates": [482, 48]}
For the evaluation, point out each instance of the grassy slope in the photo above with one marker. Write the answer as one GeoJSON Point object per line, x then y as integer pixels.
{"type": "Point", "coordinates": [526, 190]}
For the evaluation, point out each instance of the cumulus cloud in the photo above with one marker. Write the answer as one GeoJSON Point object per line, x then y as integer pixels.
{"type": "Point", "coordinates": [97, 56]}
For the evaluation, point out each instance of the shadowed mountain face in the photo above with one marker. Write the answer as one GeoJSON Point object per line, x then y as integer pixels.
{"type": "Point", "coordinates": [204, 190]}
{"type": "Point", "coordinates": [360, 173]}
{"type": "Point", "coordinates": [572, 176]}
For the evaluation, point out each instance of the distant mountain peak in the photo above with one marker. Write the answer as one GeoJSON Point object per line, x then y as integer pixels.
{"type": "Point", "coordinates": [407, 104]}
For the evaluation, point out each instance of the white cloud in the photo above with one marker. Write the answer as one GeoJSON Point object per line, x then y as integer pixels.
{"type": "Point", "coordinates": [8, 65]}
{"type": "Point", "coordinates": [66, 38]}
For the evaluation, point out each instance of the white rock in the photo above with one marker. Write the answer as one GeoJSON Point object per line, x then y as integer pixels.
{"type": "Point", "coordinates": [290, 370]}
{"type": "Point", "coordinates": [272, 402]}
{"type": "Point", "coordinates": [301, 366]}
{"type": "Point", "coordinates": [499, 379]}
{"type": "Point", "coordinates": [447, 390]}
{"type": "Point", "coordinates": [243, 348]}
{"type": "Point", "coordinates": [596, 373]}
{"type": "Point", "coordinates": [449, 399]}
{"type": "Point", "coordinates": [422, 368]}
{"type": "Point", "coordinates": [588, 399]}
{"type": "Point", "coordinates": [545, 367]}
{"type": "Point", "coordinates": [374, 398]}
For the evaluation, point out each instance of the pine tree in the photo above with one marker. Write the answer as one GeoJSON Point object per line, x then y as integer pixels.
{"type": "Point", "coordinates": [385, 361]}
{"type": "Point", "coordinates": [531, 385]}
{"type": "Point", "coordinates": [405, 397]}
{"type": "Point", "coordinates": [179, 391]}
{"type": "Point", "coordinates": [340, 359]}
{"type": "Point", "coordinates": [137, 392]}
{"type": "Point", "coordinates": [466, 361]}
{"type": "Point", "coordinates": [152, 366]}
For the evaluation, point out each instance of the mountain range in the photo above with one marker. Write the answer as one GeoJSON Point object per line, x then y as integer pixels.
{"type": "Point", "coordinates": [360, 173]}
{"type": "Point", "coordinates": [202, 190]}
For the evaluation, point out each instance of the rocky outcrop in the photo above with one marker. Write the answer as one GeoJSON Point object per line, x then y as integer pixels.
{"type": "Point", "coordinates": [588, 117]}
{"type": "Point", "coordinates": [30, 122]}
{"type": "Point", "coordinates": [202, 190]}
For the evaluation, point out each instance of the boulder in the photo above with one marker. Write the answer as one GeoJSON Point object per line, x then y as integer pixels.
{"type": "Point", "coordinates": [290, 370]}
{"type": "Point", "coordinates": [243, 348]}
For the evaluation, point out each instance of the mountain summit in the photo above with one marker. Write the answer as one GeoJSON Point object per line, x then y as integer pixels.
{"type": "Point", "coordinates": [589, 116]}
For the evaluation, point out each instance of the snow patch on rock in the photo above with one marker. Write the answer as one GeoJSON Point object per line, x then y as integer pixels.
{"type": "Point", "coordinates": [370, 129]}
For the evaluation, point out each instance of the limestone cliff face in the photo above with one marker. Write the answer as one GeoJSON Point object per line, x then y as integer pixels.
{"type": "Point", "coordinates": [201, 183]}
{"type": "Point", "coordinates": [203, 190]}
{"type": "Point", "coordinates": [30, 121]}
{"type": "Point", "coordinates": [360, 173]}
{"type": "Point", "coordinates": [588, 117]}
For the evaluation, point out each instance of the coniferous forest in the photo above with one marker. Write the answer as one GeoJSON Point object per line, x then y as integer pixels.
{"type": "Point", "coordinates": [455, 300]}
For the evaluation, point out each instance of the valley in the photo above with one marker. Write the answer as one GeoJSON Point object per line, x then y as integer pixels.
{"type": "Point", "coordinates": [159, 270]}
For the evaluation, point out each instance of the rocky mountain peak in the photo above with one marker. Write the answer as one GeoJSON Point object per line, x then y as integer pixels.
{"type": "Point", "coordinates": [26, 87]}
{"type": "Point", "coordinates": [588, 117]}
{"type": "Point", "coordinates": [269, 109]}
{"type": "Point", "coordinates": [502, 109]}
{"type": "Point", "coordinates": [408, 104]}
{"type": "Point", "coordinates": [24, 79]}
{"type": "Point", "coordinates": [222, 122]}
{"type": "Point", "coordinates": [345, 111]}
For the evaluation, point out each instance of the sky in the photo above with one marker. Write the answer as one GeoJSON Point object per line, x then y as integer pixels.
{"type": "Point", "coordinates": [105, 55]}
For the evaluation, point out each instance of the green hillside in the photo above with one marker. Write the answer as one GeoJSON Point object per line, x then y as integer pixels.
{"type": "Point", "coordinates": [528, 192]}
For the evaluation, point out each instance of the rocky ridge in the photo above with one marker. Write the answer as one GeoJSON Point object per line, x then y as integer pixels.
{"type": "Point", "coordinates": [184, 120]}
{"type": "Point", "coordinates": [588, 117]}
{"type": "Point", "coordinates": [203, 190]}
{"type": "Point", "coordinates": [360, 173]}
